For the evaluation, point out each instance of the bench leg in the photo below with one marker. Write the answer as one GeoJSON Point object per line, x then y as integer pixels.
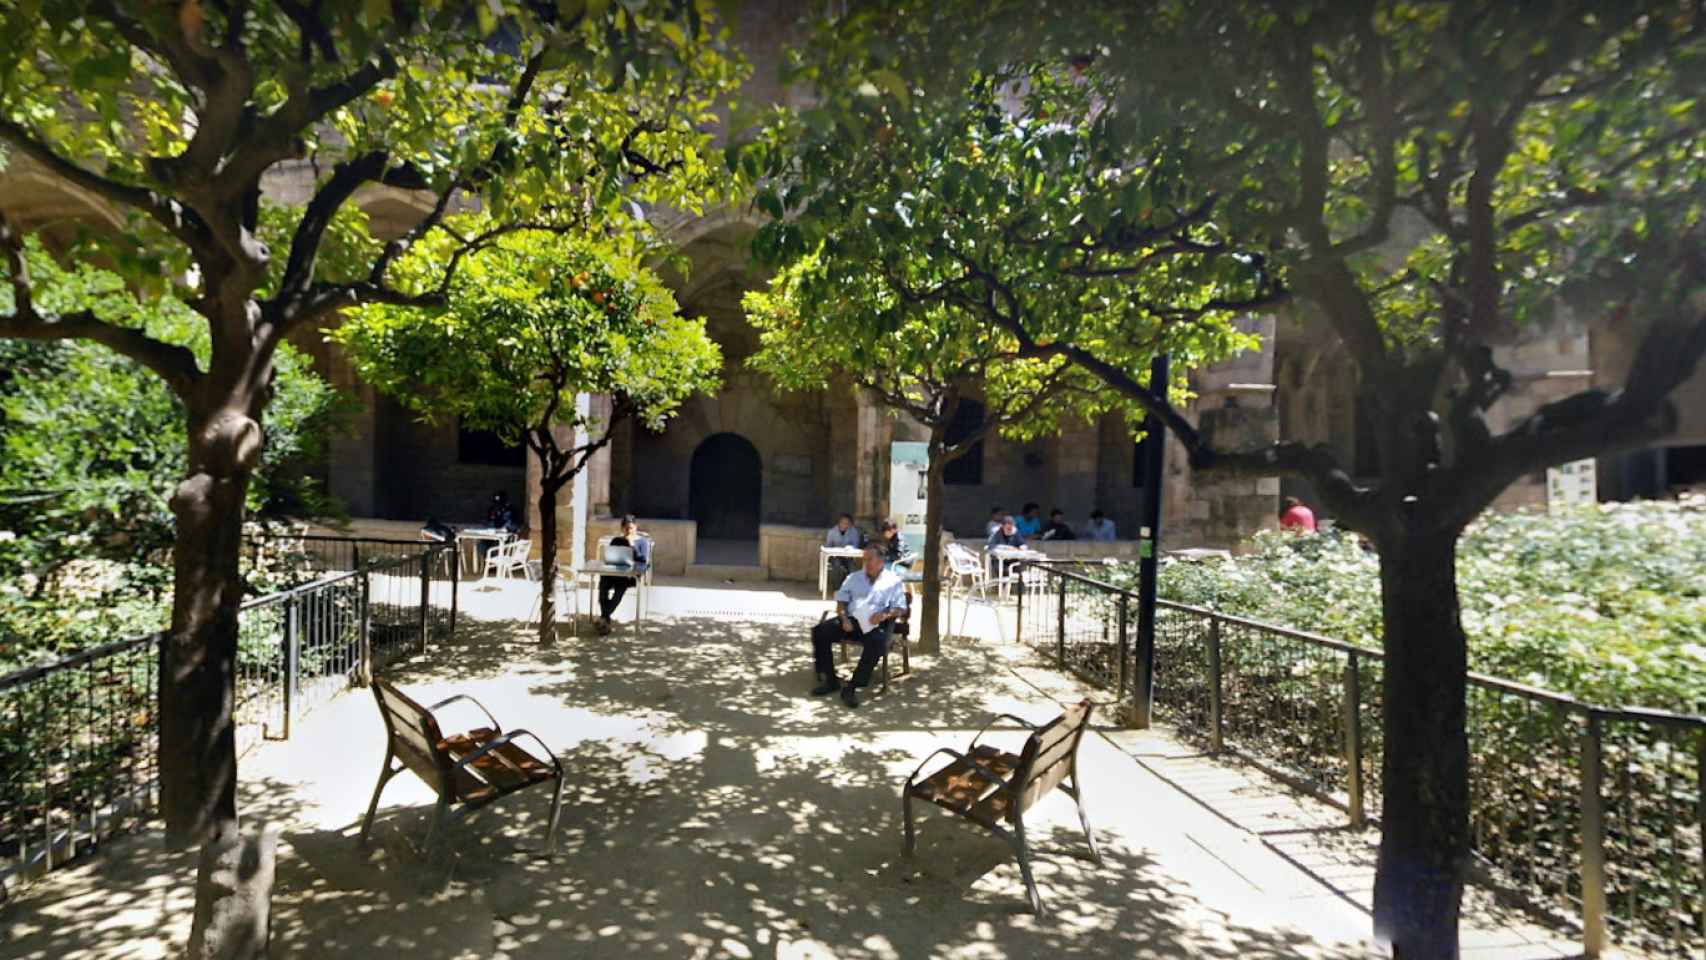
{"type": "Point", "coordinates": [906, 818]}
{"type": "Point", "coordinates": [385, 775]}
{"type": "Point", "coordinates": [1084, 818]}
{"type": "Point", "coordinates": [1025, 866]}
{"type": "Point", "coordinates": [556, 814]}
{"type": "Point", "coordinates": [440, 823]}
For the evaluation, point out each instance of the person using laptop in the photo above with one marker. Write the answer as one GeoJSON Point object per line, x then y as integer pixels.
{"type": "Point", "coordinates": [866, 606]}
{"type": "Point", "coordinates": [626, 549]}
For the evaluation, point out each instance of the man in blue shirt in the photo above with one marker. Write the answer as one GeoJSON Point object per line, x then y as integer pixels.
{"type": "Point", "coordinates": [866, 606]}
{"type": "Point", "coordinates": [1030, 521]}
{"type": "Point", "coordinates": [1101, 529]}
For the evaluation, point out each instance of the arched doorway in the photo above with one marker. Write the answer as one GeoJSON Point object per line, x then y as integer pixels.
{"type": "Point", "coordinates": [724, 488]}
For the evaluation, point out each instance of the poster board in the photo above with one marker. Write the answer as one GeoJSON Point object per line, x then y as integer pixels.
{"type": "Point", "coordinates": [1571, 485]}
{"type": "Point", "coordinates": [909, 465]}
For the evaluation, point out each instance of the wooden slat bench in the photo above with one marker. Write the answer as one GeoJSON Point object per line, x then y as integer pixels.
{"type": "Point", "coordinates": [994, 789]}
{"type": "Point", "coordinates": [467, 770]}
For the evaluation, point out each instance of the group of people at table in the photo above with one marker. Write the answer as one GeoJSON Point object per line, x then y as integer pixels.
{"type": "Point", "coordinates": [873, 595]}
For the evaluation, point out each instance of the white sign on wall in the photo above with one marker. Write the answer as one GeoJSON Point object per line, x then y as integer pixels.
{"type": "Point", "coordinates": [909, 465]}
{"type": "Point", "coordinates": [1571, 484]}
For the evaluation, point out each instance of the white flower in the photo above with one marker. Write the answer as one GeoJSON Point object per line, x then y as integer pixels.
{"type": "Point", "coordinates": [7, 536]}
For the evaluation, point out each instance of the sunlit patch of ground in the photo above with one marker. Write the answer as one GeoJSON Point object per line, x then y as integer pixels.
{"type": "Point", "coordinates": [714, 810]}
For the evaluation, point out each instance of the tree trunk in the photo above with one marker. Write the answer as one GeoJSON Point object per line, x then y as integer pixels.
{"type": "Point", "coordinates": [548, 488]}
{"type": "Point", "coordinates": [928, 621]}
{"type": "Point", "coordinates": [197, 691]}
{"type": "Point", "coordinates": [1424, 842]}
{"type": "Point", "coordinates": [197, 688]}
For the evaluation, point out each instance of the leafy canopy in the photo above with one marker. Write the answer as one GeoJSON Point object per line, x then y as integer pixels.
{"type": "Point", "coordinates": [91, 447]}
{"type": "Point", "coordinates": [532, 321]}
{"type": "Point", "coordinates": [958, 173]}
{"type": "Point", "coordinates": [815, 323]}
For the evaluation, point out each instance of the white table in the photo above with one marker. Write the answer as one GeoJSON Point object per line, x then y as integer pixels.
{"type": "Point", "coordinates": [633, 571]}
{"type": "Point", "coordinates": [823, 555]}
{"type": "Point", "coordinates": [472, 535]}
{"type": "Point", "coordinates": [999, 557]}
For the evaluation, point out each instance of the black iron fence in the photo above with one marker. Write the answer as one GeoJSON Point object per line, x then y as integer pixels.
{"type": "Point", "coordinates": [1593, 814]}
{"type": "Point", "coordinates": [79, 736]}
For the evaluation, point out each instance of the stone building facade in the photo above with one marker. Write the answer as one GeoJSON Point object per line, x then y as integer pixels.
{"type": "Point", "coordinates": [749, 477]}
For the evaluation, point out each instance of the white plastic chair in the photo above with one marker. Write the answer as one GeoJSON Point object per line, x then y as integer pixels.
{"type": "Point", "coordinates": [568, 597]}
{"type": "Point", "coordinates": [990, 591]}
{"type": "Point", "coordinates": [506, 559]}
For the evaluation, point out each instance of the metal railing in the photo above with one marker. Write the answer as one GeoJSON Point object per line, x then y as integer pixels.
{"type": "Point", "coordinates": [79, 737]}
{"type": "Point", "coordinates": [1594, 815]}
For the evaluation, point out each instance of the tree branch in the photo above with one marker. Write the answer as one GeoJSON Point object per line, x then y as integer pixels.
{"type": "Point", "coordinates": [182, 222]}
{"type": "Point", "coordinates": [174, 364]}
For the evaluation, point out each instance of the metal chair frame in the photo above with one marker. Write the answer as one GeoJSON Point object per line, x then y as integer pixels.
{"type": "Point", "coordinates": [1013, 794]}
{"type": "Point", "coordinates": [446, 775]}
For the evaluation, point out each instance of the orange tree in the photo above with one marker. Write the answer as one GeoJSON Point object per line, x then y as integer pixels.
{"type": "Point", "coordinates": [530, 323]}
{"type": "Point", "coordinates": [1419, 180]}
{"type": "Point", "coordinates": [173, 114]}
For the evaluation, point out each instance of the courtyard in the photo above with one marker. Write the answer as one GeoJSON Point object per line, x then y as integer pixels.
{"type": "Point", "coordinates": [712, 809]}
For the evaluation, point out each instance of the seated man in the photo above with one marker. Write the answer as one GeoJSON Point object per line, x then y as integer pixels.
{"type": "Point", "coordinates": [612, 589]}
{"type": "Point", "coordinates": [1007, 536]}
{"type": "Point", "coordinates": [843, 534]}
{"type": "Point", "coordinates": [1030, 522]}
{"type": "Point", "coordinates": [1101, 529]}
{"type": "Point", "coordinates": [865, 608]}
{"type": "Point", "coordinates": [994, 524]}
{"type": "Point", "coordinates": [1058, 528]}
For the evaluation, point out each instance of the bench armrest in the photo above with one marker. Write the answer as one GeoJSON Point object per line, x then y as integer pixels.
{"type": "Point", "coordinates": [1000, 716]}
{"type": "Point", "coordinates": [979, 768]}
{"type": "Point", "coordinates": [447, 701]}
{"type": "Point", "coordinates": [499, 741]}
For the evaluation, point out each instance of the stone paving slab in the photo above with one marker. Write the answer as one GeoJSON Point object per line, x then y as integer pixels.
{"type": "Point", "coordinates": [715, 810]}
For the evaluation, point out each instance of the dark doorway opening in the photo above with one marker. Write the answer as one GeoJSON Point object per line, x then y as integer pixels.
{"type": "Point", "coordinates": [724, 487]}
{"type": "Point", "coordinates": [1685, 467]}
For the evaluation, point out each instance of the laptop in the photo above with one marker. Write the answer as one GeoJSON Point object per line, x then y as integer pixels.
{"type": "Point", "coordinates": [618, 555]}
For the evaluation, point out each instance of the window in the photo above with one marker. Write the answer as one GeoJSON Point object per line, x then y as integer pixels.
{"type": "Point", "coordinates": [967, 469]}
{"type": "Point", "coordinates": [487, 448]}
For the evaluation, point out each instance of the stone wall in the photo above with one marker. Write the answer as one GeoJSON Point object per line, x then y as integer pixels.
{"type": "Point", "coordinates": [789, 552]}
{"type": "Point", "coordinates": [674, 542]}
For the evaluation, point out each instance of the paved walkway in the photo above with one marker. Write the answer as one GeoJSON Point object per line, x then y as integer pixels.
{"type": "Point", "coordinates": [715, 810]}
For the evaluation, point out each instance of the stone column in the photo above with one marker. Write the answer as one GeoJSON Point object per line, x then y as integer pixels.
{"type": "Point", "coordinates": [875, 428]}
{"type": "Point", "coordinates": [1077, 451]}
{"type": "Point", "coordinates": [567, 530]}
{"type": "Point", "coordinates": [353, 476]}
{"type": "Point", "coordinates": [598, 469]}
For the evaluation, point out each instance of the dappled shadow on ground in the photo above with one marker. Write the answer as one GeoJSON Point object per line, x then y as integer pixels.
{"type": "Point", "coordinates": [712, 809]}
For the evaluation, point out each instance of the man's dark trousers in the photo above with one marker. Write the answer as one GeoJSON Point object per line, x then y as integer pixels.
{"type": "Point", "coordinates": [876, 643]}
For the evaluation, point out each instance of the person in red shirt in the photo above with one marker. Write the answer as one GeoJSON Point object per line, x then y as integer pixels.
{"type": "Point", "coordinates": [1295, 516]}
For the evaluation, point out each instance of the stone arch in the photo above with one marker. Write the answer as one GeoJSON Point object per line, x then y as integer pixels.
{"type": "Point", "coordinates": [725, 487]}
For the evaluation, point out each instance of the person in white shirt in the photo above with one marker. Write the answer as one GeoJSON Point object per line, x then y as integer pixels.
{"type": "Point", "coordinates": [843, 534]}
{"type": "Point", "coordinates": [1100, 529]}
{"type": "Point", "coordinates": [866, 606]}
